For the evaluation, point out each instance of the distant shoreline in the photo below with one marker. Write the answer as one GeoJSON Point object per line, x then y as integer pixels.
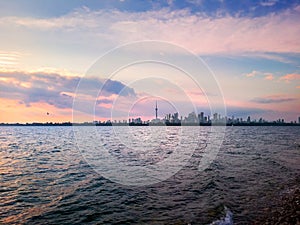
{"type": "Point", "coordinates": [149, 124]}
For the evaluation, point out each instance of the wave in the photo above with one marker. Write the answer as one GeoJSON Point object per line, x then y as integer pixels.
{"type": "Point", "coordinates": [226, 220]}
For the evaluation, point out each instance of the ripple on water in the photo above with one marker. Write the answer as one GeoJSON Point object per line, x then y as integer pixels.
{"type": "Point", "coordinates": [45, 179]}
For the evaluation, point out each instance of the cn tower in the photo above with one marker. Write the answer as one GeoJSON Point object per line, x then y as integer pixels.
{"type": "Point", "coordinates": [156, 110]}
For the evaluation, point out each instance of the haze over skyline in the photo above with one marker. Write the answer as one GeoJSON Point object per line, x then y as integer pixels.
{"type": "Point", "coordinates": [252, 47]}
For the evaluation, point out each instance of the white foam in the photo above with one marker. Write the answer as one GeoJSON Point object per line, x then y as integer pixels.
{"type": "Point", "coordinates": [227, 220]}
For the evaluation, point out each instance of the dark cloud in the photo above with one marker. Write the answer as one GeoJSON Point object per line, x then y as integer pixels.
{"type": "Point", "coordinates": [117, 87]}
{"type": "Point", "coordinates": [54, 89]}
{"type": "Point", "coordinates": [272, 100]}
{"type": "Point", "coordinates": [105, 101]}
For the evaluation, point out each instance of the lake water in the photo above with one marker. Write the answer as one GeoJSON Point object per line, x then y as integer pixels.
{"type": "Point", "coordinates": [49, 175]}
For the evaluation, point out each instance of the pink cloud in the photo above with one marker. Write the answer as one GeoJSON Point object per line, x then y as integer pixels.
{"type": "Point", "coordinates": [252, 74]}
{"type": "Point", "coordinates": [289, 77]}
{"type": "Point", "coordinates": [269, 77]}
{"type": "Point", "coordinates": [105, 105]}
{"type": "Point", "coordinates": [255, 73]}
{"type": "Point", "coordinates": [215, 35]}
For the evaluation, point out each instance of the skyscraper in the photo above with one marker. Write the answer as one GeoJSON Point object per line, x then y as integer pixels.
{"type": "Point", "coordinates": [202, 117]}
{"type": "Point", "coordinates": [248, 119]}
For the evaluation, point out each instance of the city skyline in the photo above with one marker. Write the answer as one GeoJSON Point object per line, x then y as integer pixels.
{"type": "Point", "coordinates": [200, 117]}
{"type": "Point", "coordinates": [174, 119]}
{"type": "Point", "coordinates": [48, 48]}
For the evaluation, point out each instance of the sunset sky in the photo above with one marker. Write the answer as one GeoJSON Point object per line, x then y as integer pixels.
{"type": "Point", "coordinates": [48, 47]}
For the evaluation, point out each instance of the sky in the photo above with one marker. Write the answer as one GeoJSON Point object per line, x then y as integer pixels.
{"type": "Point", "coordinates": [113, 59]}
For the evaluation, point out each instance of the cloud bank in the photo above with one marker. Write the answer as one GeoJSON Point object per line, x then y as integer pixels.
{"type": "Point", "coordinates": [202, 34]}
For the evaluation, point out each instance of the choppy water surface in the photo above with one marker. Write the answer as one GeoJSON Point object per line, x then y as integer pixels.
{"type": "Point", "coordinates": [45, 179]}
